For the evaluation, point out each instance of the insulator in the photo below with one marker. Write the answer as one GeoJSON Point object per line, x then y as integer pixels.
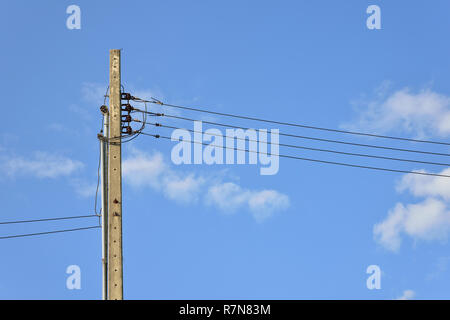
{"type": "Point", "coordinates": [127, 130]}
{"type": "Point", "coordinates": [126, 107]}
{"type": "Point", "coordinates": [126, 118]}
{"type": "Point", "coordinates": [126, 96]}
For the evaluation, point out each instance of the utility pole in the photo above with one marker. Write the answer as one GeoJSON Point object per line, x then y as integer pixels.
{"type": "Point", "coordinates": [114, 255]}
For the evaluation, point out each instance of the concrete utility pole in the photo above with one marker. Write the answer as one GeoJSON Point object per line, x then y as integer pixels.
{"type": "Point", "coordinates": [115, 263]}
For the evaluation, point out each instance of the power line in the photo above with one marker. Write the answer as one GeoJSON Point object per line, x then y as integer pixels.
{"type": "Point", "coordinates": [47, 232]}
{"type": "Point", "coordinates": [49, 219]}
{"type": "Point", "coordinates": [309, 159]}
{"type": "Point", "coordinates": [307, 148]}
{"type": "Point", "coordinates": [300, 136]}
{"type": "Point", "coordinates": [289, 123]}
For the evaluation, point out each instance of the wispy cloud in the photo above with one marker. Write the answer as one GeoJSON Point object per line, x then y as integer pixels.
{"type": "Point", "coordinates": [440, 267]}
{"type": "Point", "coordinates": [93, 92]}
{"type": "Point", "coordinates": [426, 220]}
{"type": "Point", "coordinates": [142, 169]}
{"type": "Point", "coordinates": [421, 114]}
{"type": "Point", "coordinates": [46, 165]}
{"type": "Point", "coordinates": [407, 295]}
{"type": "Point", "coordinates": [229, 197]}
{"type": "Point", "coordinates": [426, 186]}
{"type": "Point", "coordinates": [84, 188]}
{"type": "Point", "coordinates": [40, 165]}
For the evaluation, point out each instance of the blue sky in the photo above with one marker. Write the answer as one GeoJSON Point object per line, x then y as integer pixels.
{"type": "Point", "coordinates": [312, 62]}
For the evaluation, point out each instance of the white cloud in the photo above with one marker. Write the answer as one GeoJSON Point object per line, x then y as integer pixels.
{"type": "Point", "coordinates": [42, 165]}
{"type": "Point", "coordinates": [424, 113]}
{"type": "Point", "coordinates": [182, 188]}
{"type": "Point", "coordinates": [83, 188]}
{"type": "Point", "coordinates": [93, 92]}
{"type": "Point", "coordinates": [423, 186]}
{"type": "Point", "coordinates": [93, 96]}
{"type": "Point", "coordinates": [143, 169]}
{"type": "Point", "coordinates": [420, 114]}
{"type": "Point", "coordinates": [267, 201]}
{"type": "Point", "coordinates": [407, 295]}
{"type": "Point", "coordinates": [229, 197]}
{"type": "Point", "coordinates": [427, 220]}
{"type": "Point", "coordinates": [387, 233]}
{"type": "Point", "coordinates": [149, 170]}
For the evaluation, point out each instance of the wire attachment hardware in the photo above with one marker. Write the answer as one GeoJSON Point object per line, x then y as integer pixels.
{"type": "Point", "coordinates": [127, 130]}
{"type": "Point", "coordinates": [126, 118]}
{"type": "Point", "coordinates": [126, 107]}
{"type": "Point", "coordinates": [104, 109]}
{"type": "Point", "coordinates": [157, 101]}
{"type": "Point", "coordinates": [126, 96]}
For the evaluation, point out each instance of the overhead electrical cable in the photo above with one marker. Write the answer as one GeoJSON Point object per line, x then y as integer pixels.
{"type": "Point", "coordinates": [308, 159]}
{"type": "Point", "coordinates": [301, 136]}
{"type": "Point", "coordinates": [46, 232]}
{"type": "Point", "coordinates": [306, 148]}
{"type": "Point", "coordinates": [49, 219]}
{"type": "Point", "coordinates": [290, 123]}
